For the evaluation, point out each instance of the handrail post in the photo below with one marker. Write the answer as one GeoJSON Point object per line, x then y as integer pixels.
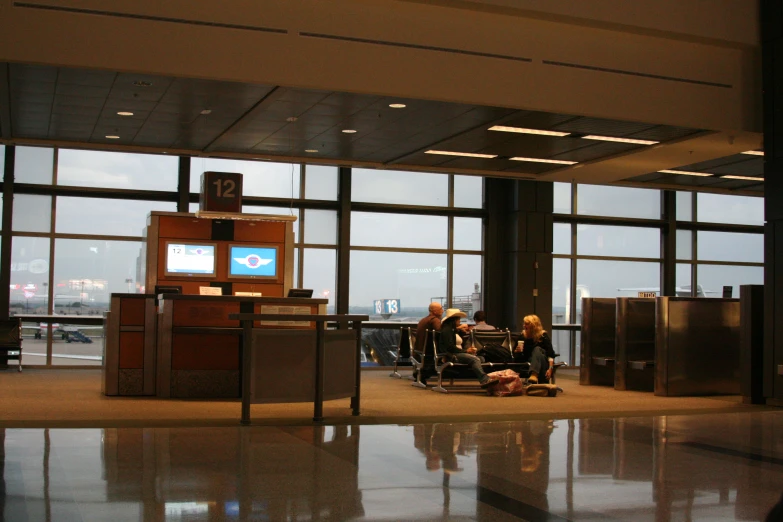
{"type": "Point", "coordinates": [318, 408]}
{"type": "Point", "coordinates": [247, 344]}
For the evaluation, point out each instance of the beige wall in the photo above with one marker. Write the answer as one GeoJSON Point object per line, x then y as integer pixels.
{"type": "Point", "coordinates": [173, 44]}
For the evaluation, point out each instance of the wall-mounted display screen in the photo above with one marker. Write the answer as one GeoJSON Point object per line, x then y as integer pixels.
{"type": "Point", "coordinates": [190, 259]}
{"type": "Point", "coordinates": [252, 261]}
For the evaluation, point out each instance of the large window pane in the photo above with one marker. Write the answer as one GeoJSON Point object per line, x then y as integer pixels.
{"type": "Point", "coordinates": [398, 230]}
{"type": "Point", "coordinates": [467, 233]}
{"type": "Point", "coordinates": [562, 198]}
{"type": "Point", "coordinates": [34, 165]}
{"type": "Point", "coordinates": [121, 170]}
{"type": "Point", "coordinates": [615, 278]}
{"type": "Point", "coordinates": [415, 279]}
{"type": "Point", "coordinates": [561, 233]}
{"type": "Point", "coordinates": [29, 291]}
{"type": "Point", "coordinates": [684, 240]}
{"type": "Point", "coordinates": [712, 278]}
{"type": "Point", "coordinates": [32, 213]}
{"type": "Point", "coordinates": [600, 240]}
{"type": "Point", "coordinates": [722, 208]}
{"type": "Point", "coordinates": [86, 272]}
{"type": "Point", "coordinates": [405, 188]}
{"type": "Point", "coordinates": [321, 182]}
{"type": "Point", "coordinates": [320, 227]}
{"type": "Point", "coordinates": [468, 191]}
{"type": "Point", "coordinates": [730, 246]}
{"type": "Point", "coordinates": [466, 287]}
{"type": "Point", "coordinates": [561, 288]}
{"type": "Point", "coordinates": [684, 206]}
{"type": "Point", "coordinates": [111, 217]}
{"type": "Point", "coordinates": [260, 178]}
{"type": "Point", "coordinates": [320, 274]}
{"type": "Point", "coordinates": [600, 200]}
{"type": "Point", "coordinates": [29, 275]}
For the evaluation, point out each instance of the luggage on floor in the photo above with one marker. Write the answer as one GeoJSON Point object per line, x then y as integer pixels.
{"type": "Point", "coordinates": [541, 390]}
{"type": "Point", "coordinates": [508, 384]}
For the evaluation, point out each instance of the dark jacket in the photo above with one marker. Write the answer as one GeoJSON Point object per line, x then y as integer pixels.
{"type": "Point", "coordinates": [545, 343]}
{"type": "Point", "coordinates": [448, 337]}
{"type": "Point", "coordinates": [431, 322]}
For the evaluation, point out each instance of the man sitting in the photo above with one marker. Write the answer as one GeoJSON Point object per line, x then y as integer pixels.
{"type": "Point", "coordinates": [430, 322]}
{"type": "Point", "coordinates": [448, 343]}
{"type": "Point", "coordinates": [480, 318]}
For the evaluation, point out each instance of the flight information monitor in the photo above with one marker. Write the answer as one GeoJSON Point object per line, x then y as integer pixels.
{"type": "Point", "coordinates": [252, 261]}
{"type": "Point", "coordinates": [190, 259]}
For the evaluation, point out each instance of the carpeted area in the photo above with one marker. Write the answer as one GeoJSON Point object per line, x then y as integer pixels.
{"type": "Point", "coordinates": [72, 398]}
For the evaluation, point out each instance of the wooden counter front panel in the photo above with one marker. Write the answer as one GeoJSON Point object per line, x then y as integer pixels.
{"type": "Point", "coordinates": [176, 227]}
{"type": "Point", "coordinates": [200, 313]}
{"type": "Point", "coordinates": [132, 312]}
{"type": "Point", "coordinates": [260, 231]}
{"type": "Point", "coordinates": [266, 289]}
{"type": "Point", "coordinates": [132, 348]}
{"type": "Point", "coordinates": [257, 309]}
{"type": "Point", "coordinates": [205, 352]}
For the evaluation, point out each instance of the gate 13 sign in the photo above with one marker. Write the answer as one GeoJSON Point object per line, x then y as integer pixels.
{"type": "Point", "coordinates": [220, 192]}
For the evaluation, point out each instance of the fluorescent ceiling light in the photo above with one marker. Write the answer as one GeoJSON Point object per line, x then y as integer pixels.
{"type": "Point", "coordinates": [349, 131]}
{"type": "Point", "coordinates": [125, 113]}
{"type": "Point", "coordinates": [311, 150]}
{"type": "Point", "coordinates": [754, 152]}
{"type": "Point", "coordinates": [542, 160]}
{"type": "Point", "coordinates": [465, 154]}
{"type": "Point", "coordinates": [686, 173]}
{"type": "Point", "coordinates": [747, 178]}
{"type": "Point", "coordinates": [397, 105]}
{"type": "Point", "coordinates": [112, 137]}
{"type": "Point", "coordinates": [520, 130]}
{"type": "Point", "coordinates": [619, 140]}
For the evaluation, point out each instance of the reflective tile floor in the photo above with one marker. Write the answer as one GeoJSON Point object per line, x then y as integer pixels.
{"type": "Point", "coordinates": [694, 467]}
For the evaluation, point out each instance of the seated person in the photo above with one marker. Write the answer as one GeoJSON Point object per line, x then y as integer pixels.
{"type": "Point", "coordinates": [430, 322]}
{"type": "Point", "coordinates": [537, 349]}
{"type": "Point", "coordinates": [448, 343]}
{"type": "Point", "coordinates": [481, 321]}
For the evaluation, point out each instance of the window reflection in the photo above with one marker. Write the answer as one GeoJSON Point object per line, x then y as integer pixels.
{"type": "Point", "coordinates": [405, 188]}
{"type": "Point", "coordinates": [466, 284]}
{"type": "Point", "coordinates": [398, 230]}
{"type": "Point", "coordinates": [615, 278]}
{"type": "Point", "coordinates": [413, 278]}
{"type": "Point", "coordinates": [119, 170]}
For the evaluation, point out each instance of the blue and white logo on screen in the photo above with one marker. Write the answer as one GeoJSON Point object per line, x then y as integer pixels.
{"type": "Point", "coordinates": [252, 261]}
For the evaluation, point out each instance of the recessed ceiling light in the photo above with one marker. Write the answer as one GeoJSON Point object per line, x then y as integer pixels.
{"type": "Point", "coordinates": [112, 137]}
{"type": "Point", "coordinates": [747, 178]}
{"type": "Point", "coordinates": [291, 119]}
{"type": "Point", "coordinates": [124, 113]}
{"type": "Point", "coordinates": [543, 160]}
{"type": "Point", "coordinates": [397, 105]}
{"type": "Point", "coordinates": [142, 83]}
{"type": "Point", "coordinates": [311, 150]}
{"type": "Point", "coordinates": [686, 173]}
{"type": "Point", "coordinates": [206, 111]}
{"type": "Point", "coordinates": [349, 131]}
{"type": "Point", "coordinates": [619, 140]}
{"type": "Point", "coordinates": [465, 154]}
{"type": "Point", "coordinates": [754, 153]}
{"type": "Point", "coordinates": [521, 130]}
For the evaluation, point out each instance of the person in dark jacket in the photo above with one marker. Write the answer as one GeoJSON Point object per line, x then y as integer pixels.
{"type": "Point", "coordinates": [448, 343]}
{"type": "Point", "coordinates": [535, 347]}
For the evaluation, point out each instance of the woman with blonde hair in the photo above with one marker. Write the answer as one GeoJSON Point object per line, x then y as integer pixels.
{"type": "Point", "coordinates": [535, 347]}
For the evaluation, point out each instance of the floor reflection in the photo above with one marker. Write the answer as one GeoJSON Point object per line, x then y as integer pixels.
{"type": "Point", "coordinates": [698, 467]}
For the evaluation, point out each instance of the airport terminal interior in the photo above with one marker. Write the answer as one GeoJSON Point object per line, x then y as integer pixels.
{"type": "Point", "coordinates": [512, 156]}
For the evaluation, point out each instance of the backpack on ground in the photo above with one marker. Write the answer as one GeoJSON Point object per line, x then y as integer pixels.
{"type": "Point", "coordinates": [495, 353]}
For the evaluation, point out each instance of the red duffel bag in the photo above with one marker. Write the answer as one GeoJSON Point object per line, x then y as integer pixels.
{"type": "Point", "coordinates": [508, 383]}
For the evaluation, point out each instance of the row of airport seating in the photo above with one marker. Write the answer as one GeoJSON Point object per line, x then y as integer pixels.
{"type": "Point", "coordinates": [433, 362]}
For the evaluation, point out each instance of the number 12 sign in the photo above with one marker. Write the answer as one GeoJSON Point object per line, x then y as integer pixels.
{"type": "Point", "coordinates": [221, 192]}
{"type": "Point", "coordinates": [386, 306]}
